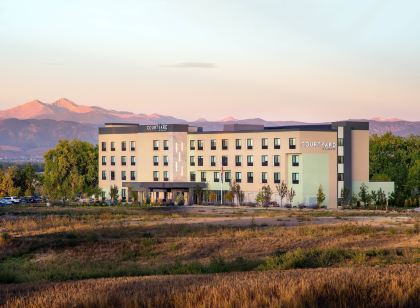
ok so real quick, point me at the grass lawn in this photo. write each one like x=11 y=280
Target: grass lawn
x=260 y=251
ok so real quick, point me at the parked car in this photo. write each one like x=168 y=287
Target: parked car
x=4 y=202
x=13 y=199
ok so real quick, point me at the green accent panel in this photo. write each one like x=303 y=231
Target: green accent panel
x=315 y=171
x=295 y=169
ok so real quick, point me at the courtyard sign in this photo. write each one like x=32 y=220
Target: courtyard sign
x=328 y=145
x=157 y=128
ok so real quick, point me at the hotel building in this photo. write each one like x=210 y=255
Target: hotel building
x=162 y=161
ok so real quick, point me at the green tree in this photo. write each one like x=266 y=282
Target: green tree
x=394 y=156
x=71 y=169
x=264 y=195
x=229 y=196
x=7 y=184
x=113 y=193
x=320 y=196
x=413 y=180
x=282 y=191
x=364 y=194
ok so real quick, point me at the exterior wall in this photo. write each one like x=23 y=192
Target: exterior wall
x=317 y=166
x=360 y=155
x=144 y=153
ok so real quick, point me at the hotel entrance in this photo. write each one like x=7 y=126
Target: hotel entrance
x=163 y=193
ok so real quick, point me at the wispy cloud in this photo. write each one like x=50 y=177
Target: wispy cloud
x=193 y=65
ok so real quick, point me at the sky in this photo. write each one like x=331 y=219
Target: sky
x=306 y=60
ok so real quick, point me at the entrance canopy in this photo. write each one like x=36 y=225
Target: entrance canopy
x=162 y=186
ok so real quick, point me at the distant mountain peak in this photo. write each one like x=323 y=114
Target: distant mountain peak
x=383 y=119
x=71 y=106
x=228 y=119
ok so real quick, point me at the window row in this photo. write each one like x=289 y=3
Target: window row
x=238 y=144
x=238 y=177
x=238 y=160
x=123 y=160
x=133 y=176
x=123 y=146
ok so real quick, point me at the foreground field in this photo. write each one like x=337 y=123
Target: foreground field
x=391 y=286
x=41 y=247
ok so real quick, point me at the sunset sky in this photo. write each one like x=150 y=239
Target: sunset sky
x=307 y=60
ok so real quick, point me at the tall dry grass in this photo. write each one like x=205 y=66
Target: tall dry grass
x=391 y=286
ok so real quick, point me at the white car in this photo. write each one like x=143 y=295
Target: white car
x=4 y=202
x=14 y=200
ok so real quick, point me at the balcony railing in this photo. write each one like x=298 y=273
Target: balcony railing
x=250 y=164
x=250 y=180
x=192 y=178
x=203 y=180
x=165 y=163
x=264 y=147
x=276 y=181
x=238 y=180
x=264 y=163
x=295 y=181
x=277 y=147
x=155 y=148
x=249 y=147
x=292 y=146
x=276 y=164
x=295 y=164
x=238 y=147
x=166 y=179
x=213 y=147
x=155 y=163
x=238 y=164
x=155 y=179
x=213 y=164
x=165 y=148
x=264 y=181
x=192 y=163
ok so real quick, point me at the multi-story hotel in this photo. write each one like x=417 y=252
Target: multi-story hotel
x=163 y=161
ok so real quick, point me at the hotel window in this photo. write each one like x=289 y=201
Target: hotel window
x=238 y=177
x=227 y=176
x=213 y=160
x=104 y=175
x=340 y=177
x=165 y=160
x=123 y=176
x=249 y=144
x=224 y=161
x=277 y=177
x=264 y=160
x=200 y=160
x=238 y=144
x=203 y=177
x=192 y=176
x=224 y=144
x=264 y=143
x=192 y=161
x=103 y=146
x=112 y=146
x=292 y=143
x=295 y=178
x=250 y=160
x=340 y=159
x=123 y=194
x=132 y=145
x=250 y=177
x=238 y=160
x=112 y=160
x=192 y=144
x=123 y=145
x=165 y=176
x=112 y=175
x=200 y=145
x=103 y=160
x=340 y=142
x=217 y=177
x=155 y=176
x=277 y=143
x=133 y=175
x=155 y=145
x=295 y=160
x=264 y=177
x=165 y=145
x=276 y=160
x=123 y=160
x=155 y=160
x=213 y=144
x=133 y=160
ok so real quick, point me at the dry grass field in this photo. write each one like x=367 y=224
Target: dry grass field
x=207 y=256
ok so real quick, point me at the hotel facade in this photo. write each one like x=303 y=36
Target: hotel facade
x=165 y=160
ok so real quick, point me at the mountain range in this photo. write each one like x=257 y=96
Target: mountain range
x=28 y=130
